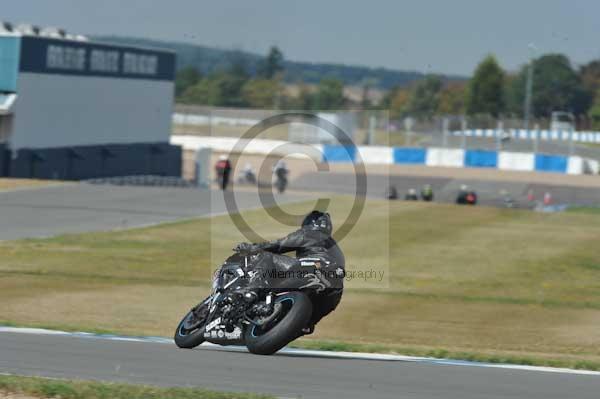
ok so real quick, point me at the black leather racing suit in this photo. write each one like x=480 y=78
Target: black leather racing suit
x=319 y=264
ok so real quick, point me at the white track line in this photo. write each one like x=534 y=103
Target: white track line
x=304 y=352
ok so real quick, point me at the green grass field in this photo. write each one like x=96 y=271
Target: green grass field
x=14 y=387
x=475 y=283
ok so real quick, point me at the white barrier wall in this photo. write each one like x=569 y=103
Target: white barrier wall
x=376 y=155
x=516 y=161
x=445 y=157
x=256 y=146
x=575 y=165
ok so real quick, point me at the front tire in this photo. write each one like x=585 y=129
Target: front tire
x=288 y=328
x=190 y=331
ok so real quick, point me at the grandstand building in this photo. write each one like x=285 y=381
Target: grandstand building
x=75 y=109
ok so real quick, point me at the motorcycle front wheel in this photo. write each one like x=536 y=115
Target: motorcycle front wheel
x=190 y=331
x=296 y=310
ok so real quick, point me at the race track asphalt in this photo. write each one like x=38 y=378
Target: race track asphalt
x=284 y=375
x=75 y=208
x=490 y=192
x=81 y=207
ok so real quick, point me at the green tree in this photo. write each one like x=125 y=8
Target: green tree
x=453 y=99
x=396 y=100
x=306 y=100
x=220 y=89
x=425 y=97
x=205 y=92
x=272 y=65
x=185 y=78
x=590 y=76
x=556 y=87
x=261 y=93
x=594 y=112
x=486 y=89
x=330 y=94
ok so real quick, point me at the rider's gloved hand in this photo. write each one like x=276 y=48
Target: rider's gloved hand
x=244 y=247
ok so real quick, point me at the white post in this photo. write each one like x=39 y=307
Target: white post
x=500 y=133
x=536 y=139
x=371 y=134
x=463 y=127
x=408 y=125
x=571 y=142
x=445 y=124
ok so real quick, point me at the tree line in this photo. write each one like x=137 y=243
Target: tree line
x=491 y=91
x=235 y=86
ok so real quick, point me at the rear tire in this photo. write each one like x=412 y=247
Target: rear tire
x=286 y=330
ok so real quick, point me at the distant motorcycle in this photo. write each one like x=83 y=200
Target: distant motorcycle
x=272 y=321
x=247 y=177
x=467 y=198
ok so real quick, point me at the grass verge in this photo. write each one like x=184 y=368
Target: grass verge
x=472 y=282
x=504 y=358
x=74 y=389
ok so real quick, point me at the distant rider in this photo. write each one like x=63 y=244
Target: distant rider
x=280 y=170
x=223 y=170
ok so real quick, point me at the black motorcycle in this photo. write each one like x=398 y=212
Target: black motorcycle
x=264 y=326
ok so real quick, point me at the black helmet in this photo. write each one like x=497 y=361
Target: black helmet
x=317 y=220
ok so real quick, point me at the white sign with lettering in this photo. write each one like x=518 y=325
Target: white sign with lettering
x=64 y=57
x=104 y=61
x=140 y=64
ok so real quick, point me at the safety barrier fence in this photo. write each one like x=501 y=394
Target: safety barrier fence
x=432 y=156
x=523 y=134
x=460 y=158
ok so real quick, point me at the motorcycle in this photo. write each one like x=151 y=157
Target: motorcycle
x=247 y=177
x=267 y=324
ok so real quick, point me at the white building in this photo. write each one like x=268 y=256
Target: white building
x=73 y=109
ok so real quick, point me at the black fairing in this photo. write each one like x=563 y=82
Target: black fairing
x=228 y=279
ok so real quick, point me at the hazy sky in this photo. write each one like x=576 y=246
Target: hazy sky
x=448 y=36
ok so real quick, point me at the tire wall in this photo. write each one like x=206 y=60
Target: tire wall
x=4 y=158
x=86 y=162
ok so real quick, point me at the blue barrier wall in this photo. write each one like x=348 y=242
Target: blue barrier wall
x=551 y=163
x=410 y=155
x=481 y=159
x=338 y=153
x=472 y=158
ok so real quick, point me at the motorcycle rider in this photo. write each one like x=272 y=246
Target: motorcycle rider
x=248 y=175
x=223 y=170
x=280 y=172
x=319 y=260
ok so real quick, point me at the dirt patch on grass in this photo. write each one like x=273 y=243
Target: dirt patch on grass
x=7 y=184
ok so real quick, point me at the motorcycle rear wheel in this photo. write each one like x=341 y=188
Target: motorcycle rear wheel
x=288 y=327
